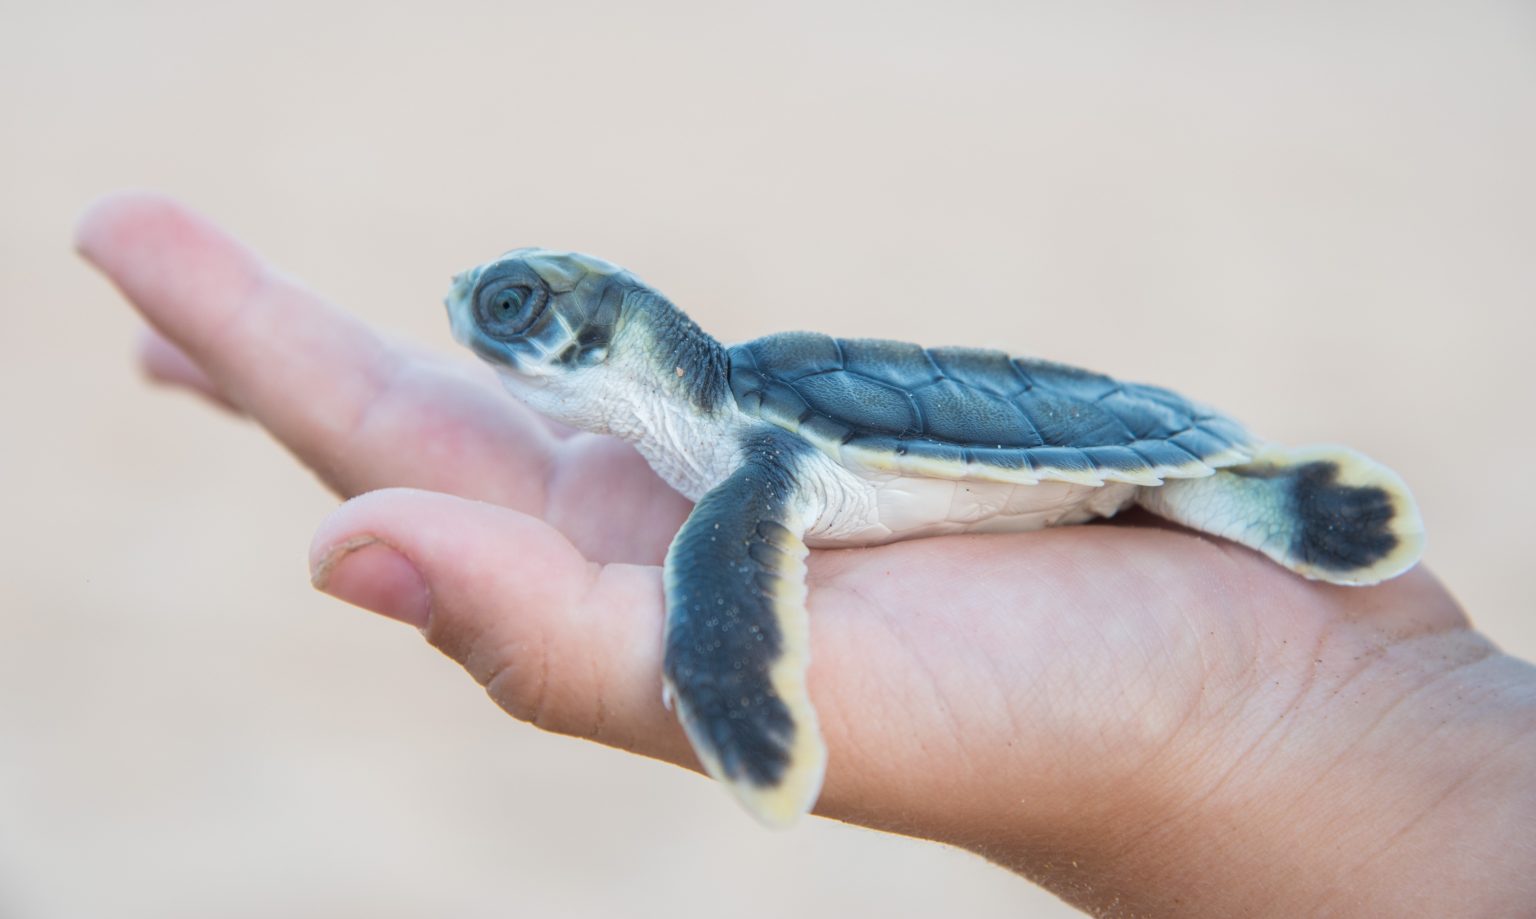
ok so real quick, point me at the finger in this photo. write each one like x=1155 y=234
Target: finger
x=321 y=380
x=557 y=641
x=564 y=644
x=165 y=363
x=247 y=327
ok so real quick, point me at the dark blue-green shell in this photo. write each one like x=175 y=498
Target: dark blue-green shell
x=963 y=411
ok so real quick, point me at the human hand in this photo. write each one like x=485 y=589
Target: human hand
x=1138 y=717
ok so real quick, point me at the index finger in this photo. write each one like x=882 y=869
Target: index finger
x=348 y=403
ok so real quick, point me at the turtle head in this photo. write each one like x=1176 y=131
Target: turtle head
x=579 y=338
x=539 y=313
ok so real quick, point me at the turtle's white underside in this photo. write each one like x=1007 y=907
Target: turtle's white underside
x=850 y=504
x=870 y=508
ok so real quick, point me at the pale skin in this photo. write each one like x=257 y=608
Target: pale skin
x=1146 y=721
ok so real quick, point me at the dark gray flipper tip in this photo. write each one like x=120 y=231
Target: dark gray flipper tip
x=1349 y=519
x=739 y=720
x=1342 y=527
x=764 y=746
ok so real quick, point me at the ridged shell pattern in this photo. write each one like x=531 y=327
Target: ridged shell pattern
x=976 y=413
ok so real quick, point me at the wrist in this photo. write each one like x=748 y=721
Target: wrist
x=1378 y=778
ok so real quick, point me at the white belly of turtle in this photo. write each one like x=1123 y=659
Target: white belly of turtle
x=862 y=508
x=853 y=506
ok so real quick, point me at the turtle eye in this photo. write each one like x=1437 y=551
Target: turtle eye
x=505 y=312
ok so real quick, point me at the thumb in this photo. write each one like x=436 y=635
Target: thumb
x=565 y=644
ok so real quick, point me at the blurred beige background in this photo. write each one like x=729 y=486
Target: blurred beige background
x=1321 y=216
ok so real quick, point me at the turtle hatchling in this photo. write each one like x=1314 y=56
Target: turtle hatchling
x=801 y=439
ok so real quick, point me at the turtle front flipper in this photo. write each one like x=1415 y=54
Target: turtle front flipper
x=1327 y=513
x=736 y=636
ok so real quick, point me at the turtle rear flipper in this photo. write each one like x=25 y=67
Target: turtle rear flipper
x=736 y=636
x=1327 y=513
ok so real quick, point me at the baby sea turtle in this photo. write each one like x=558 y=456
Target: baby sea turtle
x=800 y=439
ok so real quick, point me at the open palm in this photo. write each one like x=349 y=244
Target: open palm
x=1016 y=694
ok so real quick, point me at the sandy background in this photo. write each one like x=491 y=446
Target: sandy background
x=1322 y=218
